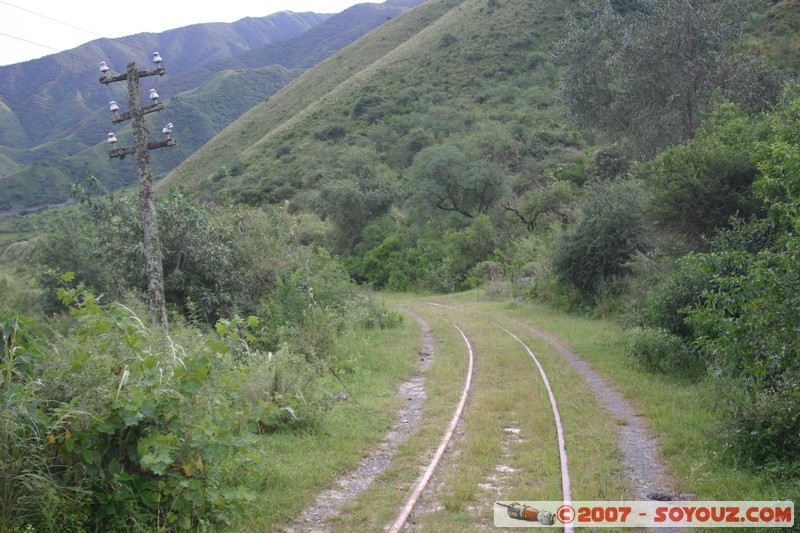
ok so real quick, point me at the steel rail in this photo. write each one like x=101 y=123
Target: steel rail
x=562 y=447
x=426 y=476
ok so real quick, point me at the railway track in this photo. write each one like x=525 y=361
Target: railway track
x=427 y=475
x=504 y=431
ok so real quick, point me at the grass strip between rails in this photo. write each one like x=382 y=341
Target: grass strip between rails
x=505 y=446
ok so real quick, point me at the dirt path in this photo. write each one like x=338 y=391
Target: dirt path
x=329 y=503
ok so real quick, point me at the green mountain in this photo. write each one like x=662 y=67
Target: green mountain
x=472 y=69
x=206 y=88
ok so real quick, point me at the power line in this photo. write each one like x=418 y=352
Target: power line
x=90 y=32
x=47 y=46
x=50 y=18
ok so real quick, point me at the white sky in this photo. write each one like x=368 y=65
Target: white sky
x=81 y=21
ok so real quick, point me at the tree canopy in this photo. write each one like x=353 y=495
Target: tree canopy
x=647 y=72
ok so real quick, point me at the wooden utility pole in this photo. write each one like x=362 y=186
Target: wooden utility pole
x=152 y=241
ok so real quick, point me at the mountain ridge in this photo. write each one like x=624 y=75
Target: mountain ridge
x=23 y=165
x=54 y=76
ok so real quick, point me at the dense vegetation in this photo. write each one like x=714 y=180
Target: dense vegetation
x=559 y=156
x=110 y=424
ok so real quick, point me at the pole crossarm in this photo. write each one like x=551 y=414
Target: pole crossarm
x=160 y=71
x=122 y=117
x=128 y=150
x=121 y=152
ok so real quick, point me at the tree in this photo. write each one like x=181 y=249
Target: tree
x=646 y=76
x=543 y=205
x=700 y=184
x=358 y=191
x=443 y=176
x=596 y=251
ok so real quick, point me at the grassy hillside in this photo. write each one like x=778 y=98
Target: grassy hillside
x=483 y=60
x=775 y=35
x=306 y=92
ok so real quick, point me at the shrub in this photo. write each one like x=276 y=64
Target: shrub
x=668 y=306
x=700 y=184
x=330 y=132
x=485 y=272
x=747 y=323
x=103 y=248
x=760 y=424
x=596 y=251
x=377 y=316
x=117 y=427
x=151 y=422
x=658 y=350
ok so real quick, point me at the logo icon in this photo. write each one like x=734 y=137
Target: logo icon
x=527 y=513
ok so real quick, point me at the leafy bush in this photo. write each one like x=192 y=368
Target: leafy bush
x=103 y=248
x=243 y=260
x=747 y=324
x=658 y=350
x=117 y=427
x=157 y=431
x=392 y=264
x=595 y=252
x=700 y=184
x=668 y=305
x=485 y=272
x=375 y=315
x=330 y=132
x=760 y=423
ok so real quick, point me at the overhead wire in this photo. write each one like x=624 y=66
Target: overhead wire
x=68 y=24
x=50 y=18
x=183 y=155
x=58 y=50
